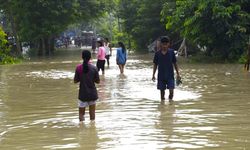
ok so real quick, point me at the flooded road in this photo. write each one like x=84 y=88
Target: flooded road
x=38 y=107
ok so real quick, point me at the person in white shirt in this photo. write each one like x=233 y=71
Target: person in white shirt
x=108 y=49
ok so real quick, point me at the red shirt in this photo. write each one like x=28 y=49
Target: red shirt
x=87 y=88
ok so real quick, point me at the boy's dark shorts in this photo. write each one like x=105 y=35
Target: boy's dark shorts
x=165 y=84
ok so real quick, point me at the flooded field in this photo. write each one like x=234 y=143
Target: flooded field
x=38 y=107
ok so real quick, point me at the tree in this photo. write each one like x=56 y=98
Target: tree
x=39 y=21
x=45 y=19
x=220 y=26
x=5 y=55
x=7 y=7
x=142 y=20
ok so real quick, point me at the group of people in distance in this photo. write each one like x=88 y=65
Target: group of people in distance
x=105 y=52
x=88 y=74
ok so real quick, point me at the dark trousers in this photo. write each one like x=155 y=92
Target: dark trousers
x=100 y=64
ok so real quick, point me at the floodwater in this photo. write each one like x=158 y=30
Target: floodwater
x=38 y=107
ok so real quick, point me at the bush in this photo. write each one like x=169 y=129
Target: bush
x=5 y=55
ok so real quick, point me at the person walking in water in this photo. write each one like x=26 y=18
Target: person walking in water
x=164 y=60
x=87 y=75
x=121 y=56
x=248 y=59
x=101 y=57
x=93 y=44
x=108 y=49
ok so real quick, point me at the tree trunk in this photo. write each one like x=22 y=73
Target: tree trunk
x=46 y=46
x=40 y=47
x=129 y=43
x=119 y=24
x=18 y=49
x=209 y=51
x=110 y=27
x=52 y=45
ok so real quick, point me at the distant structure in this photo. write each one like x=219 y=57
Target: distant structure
x=152 y=46
x=182 y=50
x=87 y=37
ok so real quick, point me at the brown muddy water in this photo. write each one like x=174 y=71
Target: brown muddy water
x=38 y=107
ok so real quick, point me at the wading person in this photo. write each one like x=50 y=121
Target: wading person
x=165 y=61
x=248 y=59
x=121 y=56
x=87 y=75
x=93 y=45
x=108 y=49
x=101 y=57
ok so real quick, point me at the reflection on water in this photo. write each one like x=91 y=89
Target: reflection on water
x=39 y=108
x=52 y=74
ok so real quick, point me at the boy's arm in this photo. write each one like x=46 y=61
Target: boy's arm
x=154 y=70
x=177 y=70
x=155 y=61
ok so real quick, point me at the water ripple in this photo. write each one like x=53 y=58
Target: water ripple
x=51 y=74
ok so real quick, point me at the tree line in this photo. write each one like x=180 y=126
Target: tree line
x=40 y=21
x=220 y=28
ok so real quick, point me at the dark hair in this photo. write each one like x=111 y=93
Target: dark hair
x=106 y=39
x=100 y=42
x=122 y=46
x=165 y=39
x=86 y=55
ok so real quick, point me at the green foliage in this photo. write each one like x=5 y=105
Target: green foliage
x=142 y=20
x=44 y=18
x=3 y=40
x=39 y=21
x=103 y=25
x=89 y=10
x=220 y=26
x=243 y=59
x=5 y=56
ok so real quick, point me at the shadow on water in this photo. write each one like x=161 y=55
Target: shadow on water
x=38 y=103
